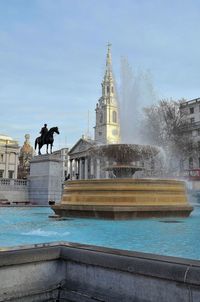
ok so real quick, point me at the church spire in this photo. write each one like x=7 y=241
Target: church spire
x=107 y=128
x=109 y=59
x=108 y=77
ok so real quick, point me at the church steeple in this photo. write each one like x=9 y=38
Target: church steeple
x=109 y=59
x=107 y=124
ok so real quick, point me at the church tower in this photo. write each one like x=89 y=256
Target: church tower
x=107 y=129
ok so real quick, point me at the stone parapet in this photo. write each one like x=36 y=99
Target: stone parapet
x=83 y=273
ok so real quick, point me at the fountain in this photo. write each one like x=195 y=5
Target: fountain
x=121 y=196
x=124 y=197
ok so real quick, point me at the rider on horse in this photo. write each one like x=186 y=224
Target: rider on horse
x=46 y=137
x=43 y=132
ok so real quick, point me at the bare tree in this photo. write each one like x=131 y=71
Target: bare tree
x=165 y=126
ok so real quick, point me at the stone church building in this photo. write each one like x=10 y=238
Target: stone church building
x=83 y=163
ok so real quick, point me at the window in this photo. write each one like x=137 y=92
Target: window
x=12 y=157
x=190 y=163
x=194 y=133
x=198 y=131
x=190 y=146
x=1 y=173
x=101 y=117
x=114 y=117
x=108 y=89
x=181 y=165
x=10 y=174
x=112 y=90
x=192 y=120
x=191 y=110
x=1 y=157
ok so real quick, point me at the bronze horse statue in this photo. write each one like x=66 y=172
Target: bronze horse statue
x=47 y=140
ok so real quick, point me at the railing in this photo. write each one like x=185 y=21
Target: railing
x=17 y=183
x=191 y=174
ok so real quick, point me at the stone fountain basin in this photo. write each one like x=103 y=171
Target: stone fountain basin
x=123 y=198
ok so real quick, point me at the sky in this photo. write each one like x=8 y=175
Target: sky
x=52 y=58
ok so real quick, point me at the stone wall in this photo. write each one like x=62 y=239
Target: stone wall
x=81 y=273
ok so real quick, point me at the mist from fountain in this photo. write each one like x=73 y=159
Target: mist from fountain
x=136 y=91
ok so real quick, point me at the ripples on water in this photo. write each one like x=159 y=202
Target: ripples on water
x=174 y=237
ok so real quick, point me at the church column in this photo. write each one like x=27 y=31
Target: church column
x=80 y=168
x=86 y=168
x=75 y=168
x=107 y=173
x=91 y=167
x=98 y=169
x=71 y=168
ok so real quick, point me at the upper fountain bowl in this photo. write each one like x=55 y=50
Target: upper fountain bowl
x=125 y=159
x=125 y=153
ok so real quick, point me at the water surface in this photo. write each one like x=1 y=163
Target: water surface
x=166 y=236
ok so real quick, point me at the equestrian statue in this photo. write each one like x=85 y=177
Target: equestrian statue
x=46 y=138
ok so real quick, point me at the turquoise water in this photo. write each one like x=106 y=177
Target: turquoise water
x=166 y=236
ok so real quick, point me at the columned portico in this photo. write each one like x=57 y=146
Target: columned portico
x=81 y=162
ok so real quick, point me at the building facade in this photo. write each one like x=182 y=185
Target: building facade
x=9 y=152
x=191 y=110
x=62 y=154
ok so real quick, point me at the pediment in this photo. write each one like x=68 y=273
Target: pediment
x=81 y=146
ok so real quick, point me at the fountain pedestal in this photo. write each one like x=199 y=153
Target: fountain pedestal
x=124 y=198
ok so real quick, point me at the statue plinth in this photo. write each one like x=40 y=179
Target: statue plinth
x=45 y=179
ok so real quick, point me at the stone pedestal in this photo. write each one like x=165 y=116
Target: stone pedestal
x=45 y=179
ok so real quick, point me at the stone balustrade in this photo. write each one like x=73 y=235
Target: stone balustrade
x=13 y=190
x=13 y=183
